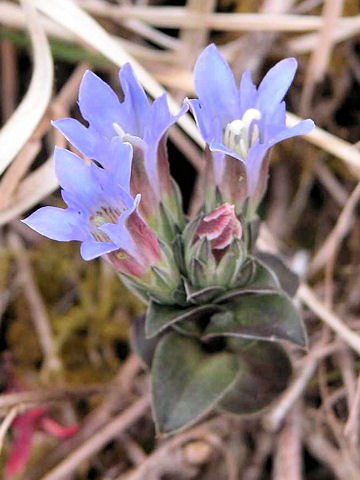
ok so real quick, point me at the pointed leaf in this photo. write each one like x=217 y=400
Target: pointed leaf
x=187 y=381
x=289 y=281
x=188 y=328
x=158 y=317
x=265 y=372
x=142 y=346
x=264 y=316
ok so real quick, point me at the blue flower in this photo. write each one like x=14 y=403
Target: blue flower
x=99 y=207
x=244 y=122
x=134 y=120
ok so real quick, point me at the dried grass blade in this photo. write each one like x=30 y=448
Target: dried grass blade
x=36 y=186
x=22 y=123
x=331 y=144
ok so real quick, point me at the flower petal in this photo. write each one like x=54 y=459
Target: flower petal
x=56 y=223
x=301 y=128
x=202 y=119
x=215 y=85
x=275 y=84
x=135 y=109
x=247 y=92
x=91 y=249
x=75 y=176
x=99 y=104
x=119 y=235
x=120 y=161
x=77 y=135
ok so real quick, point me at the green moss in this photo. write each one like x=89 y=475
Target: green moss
x=89 y=310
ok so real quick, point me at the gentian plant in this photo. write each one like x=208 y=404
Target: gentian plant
x=218 y=310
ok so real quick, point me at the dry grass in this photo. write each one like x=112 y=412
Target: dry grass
x=64 y=322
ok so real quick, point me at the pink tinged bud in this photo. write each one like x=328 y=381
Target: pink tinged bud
x=220 y=226
x=125 y=263
x=144 y=238
x=146 y=249
x=140 y=182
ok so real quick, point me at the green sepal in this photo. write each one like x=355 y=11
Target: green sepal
x=188 y=328
x=288 y=280
x=159 y=317
x=253 y=229
x=135 y=287
x=264 y=373
x=180 y=219
x=166 y=223
x=263 y=281
x=178 y=252
x=270 y=316
x=227 y=271
x=244 y=275
x=142 y=346
x=187 y=381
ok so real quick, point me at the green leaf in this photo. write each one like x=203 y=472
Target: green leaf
x=269 y=316
x=265 y=372
x=142 y=346
x=202 y=295
x=263 y=281
x=187 y=381
x=289 y=281
x=188 y=328
x=158 y=316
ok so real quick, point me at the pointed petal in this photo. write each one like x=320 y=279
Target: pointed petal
x=219 y=147
x=99 y=104
x=77 y=135
x=279 y=117
x=119 y=235
x=57 y=223
x=91 y=249
x=275 y=84
x=302 y=128
x=161 y=118
x=247 y=92
x=75 y=176
x=135 y=109
x=202 y=119
x=120 y=161
x=215 y=85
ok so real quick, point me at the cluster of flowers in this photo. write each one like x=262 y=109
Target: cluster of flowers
x=123 y=205
x=202 y=278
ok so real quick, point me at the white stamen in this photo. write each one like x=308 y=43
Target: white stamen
x=118 y=130
x=251 y=115
x=241 y=134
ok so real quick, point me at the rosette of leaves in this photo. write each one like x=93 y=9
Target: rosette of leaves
x=221 y=347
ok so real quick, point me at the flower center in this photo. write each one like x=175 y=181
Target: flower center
x=241 y=134
x=100 y=217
